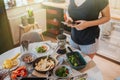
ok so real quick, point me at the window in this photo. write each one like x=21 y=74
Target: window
x=114 y=4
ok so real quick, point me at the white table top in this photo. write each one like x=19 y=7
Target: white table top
x=93 y=73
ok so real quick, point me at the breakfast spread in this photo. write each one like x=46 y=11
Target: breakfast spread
x=42 y=64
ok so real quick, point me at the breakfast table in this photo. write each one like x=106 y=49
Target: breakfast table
x=93 y=72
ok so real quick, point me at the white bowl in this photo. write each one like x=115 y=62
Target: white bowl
x=57 y=67
x=28 y=54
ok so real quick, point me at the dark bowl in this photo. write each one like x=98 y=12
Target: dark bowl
x=81 y=63
x=43 y=57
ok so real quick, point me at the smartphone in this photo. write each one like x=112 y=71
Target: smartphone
x=64 y=23
x=73 y=23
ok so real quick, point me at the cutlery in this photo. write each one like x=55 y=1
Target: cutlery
x=79 y=76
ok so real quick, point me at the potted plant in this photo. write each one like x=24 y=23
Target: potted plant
x=30 y=16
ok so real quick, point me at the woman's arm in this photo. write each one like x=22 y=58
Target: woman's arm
x=105 y=16
x=68 y=19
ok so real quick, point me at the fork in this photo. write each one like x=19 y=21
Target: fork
x=80 y=76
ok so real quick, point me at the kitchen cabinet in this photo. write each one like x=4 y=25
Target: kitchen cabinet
x=54 y=12
x=54 y=18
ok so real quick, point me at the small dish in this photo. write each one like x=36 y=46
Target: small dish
x=19 y=73
x=28 y=57
x=62 y=72
x=16 y=64
x=42 y=48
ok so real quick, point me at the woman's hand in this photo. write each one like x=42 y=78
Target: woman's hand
x=81 y=25
x=69 y=21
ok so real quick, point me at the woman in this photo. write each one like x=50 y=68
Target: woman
x=85 y=31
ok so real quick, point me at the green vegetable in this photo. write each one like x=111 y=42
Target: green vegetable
x=41 y=49
x=62 y=72
x=75 y=64
x=73 y=59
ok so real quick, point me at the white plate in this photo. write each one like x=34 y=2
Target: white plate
x=39 y=45
x=16 y=65
x=13 y=68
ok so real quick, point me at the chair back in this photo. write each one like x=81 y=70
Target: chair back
x=31 y=37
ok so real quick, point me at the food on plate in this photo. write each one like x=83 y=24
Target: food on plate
x=10 y=63
x=42 y=49
x=62 y=71
x=28 y=58
x=19 y=72
x=44 y=64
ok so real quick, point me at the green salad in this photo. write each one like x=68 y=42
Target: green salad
x=73 y=59
x=62 y=72
x=41 y=49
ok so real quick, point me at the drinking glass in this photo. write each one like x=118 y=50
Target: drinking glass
x=24 y=46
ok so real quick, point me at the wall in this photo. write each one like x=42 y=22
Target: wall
x=14 y=17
